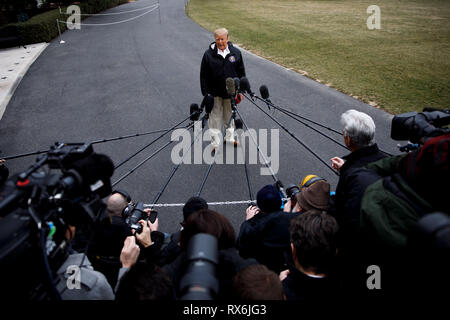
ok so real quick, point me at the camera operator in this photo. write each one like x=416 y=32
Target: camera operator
x=92 y=284
x=314 y=194
x=395 y=193
x=264 y=235
x=229 y=260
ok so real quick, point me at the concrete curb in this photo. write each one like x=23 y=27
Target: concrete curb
x=15 y=64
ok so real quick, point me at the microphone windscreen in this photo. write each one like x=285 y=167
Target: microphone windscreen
x=208 y=103
x=236 y=83
x=231 y=89
x=193 y=111
x=264 y=92
x=245 y=85
x=93 y=168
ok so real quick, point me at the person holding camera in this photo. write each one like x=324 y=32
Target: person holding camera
x=229 y=261
x=142 y=248
x=264 y=235
x=314 y=193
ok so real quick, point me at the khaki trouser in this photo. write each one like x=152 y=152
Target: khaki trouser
x=218 y=120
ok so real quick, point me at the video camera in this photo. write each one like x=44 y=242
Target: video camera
x=38 y=207
x=415 y=126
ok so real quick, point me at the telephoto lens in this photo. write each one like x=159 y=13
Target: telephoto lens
x=199 y=281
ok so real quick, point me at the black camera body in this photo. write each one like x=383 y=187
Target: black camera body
x=134 y=212
x=292 y=190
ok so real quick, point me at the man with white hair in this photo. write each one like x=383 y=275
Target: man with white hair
x=359 y=133
x=220 y=61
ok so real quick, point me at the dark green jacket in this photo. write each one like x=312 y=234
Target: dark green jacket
x=390 y=207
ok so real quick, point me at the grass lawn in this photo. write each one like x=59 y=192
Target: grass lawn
x=403 y=66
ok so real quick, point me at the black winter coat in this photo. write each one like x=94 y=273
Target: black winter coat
x=215 y=69
x=266 y=238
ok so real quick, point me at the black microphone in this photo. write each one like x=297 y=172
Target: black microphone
x=231 y=89
x=264 y=91
x=238 y=124
x=207 y=103
x=194 y=112
x=237 y=84
x=245 y=86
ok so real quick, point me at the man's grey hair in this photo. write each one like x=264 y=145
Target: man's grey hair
x=359 y=126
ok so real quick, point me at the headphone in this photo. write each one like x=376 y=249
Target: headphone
x=309 y=180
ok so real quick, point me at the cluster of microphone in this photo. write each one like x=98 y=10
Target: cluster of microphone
x=234 y=87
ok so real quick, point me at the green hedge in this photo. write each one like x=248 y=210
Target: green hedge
x=43 y=27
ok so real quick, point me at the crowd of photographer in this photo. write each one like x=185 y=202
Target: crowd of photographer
x=388 y=212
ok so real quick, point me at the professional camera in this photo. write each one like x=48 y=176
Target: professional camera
x=135 y=212
x=415 y=126
x=37 y=209
x=199 y=281
x=292 y=192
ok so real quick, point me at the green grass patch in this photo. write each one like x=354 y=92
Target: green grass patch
x=404 y=66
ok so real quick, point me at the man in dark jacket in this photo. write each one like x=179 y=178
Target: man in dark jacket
x=359 y=133
x=220 y=61
x=264 y=235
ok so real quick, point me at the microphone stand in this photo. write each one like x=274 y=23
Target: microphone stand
x=205 y=177
x=296 y=139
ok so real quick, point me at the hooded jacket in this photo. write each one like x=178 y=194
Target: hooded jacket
x=215 y=69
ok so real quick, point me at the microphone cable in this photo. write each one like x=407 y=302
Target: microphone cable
x=93 y=142
x=205 y=177
x=266 y=162
x=294 y=116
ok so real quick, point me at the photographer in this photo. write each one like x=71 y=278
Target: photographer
x=146 y=280
x=229 y=261
x=264 y=235
x=92 y=284
x=173 y=249
x=313 y=194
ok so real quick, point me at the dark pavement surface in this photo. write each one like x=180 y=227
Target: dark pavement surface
x=108 y=81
